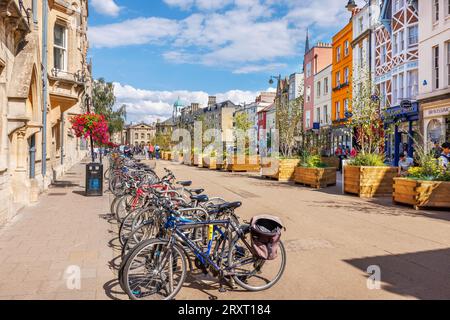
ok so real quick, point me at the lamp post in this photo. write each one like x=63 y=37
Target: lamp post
x=88 y=108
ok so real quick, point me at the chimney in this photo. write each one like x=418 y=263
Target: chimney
x=212 y=100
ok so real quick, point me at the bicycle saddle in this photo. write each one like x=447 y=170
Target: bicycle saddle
x=227 y=206
x=200 y=198
x=185 y=183
x=196 y=191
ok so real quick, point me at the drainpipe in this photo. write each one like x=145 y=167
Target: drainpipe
x=44 y=83
x=62 y=138
x=35 y=12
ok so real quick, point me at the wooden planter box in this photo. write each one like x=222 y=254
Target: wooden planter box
x=315 y=177
x=421 y=193
x=250 y=164
x=368 y=182
x=166 y=155
x=285 y=172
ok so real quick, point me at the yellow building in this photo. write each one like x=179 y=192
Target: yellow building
x=341 y=95
x=23 y=98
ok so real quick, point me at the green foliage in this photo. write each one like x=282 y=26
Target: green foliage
x=163 y=141
x=312 y=161
x=368 y=160
x=289 y=115
x=103 y=99
x=428 y=167
x=367 y=118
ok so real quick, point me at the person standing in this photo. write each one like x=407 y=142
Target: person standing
x=339 y=153
x=437 y=150
x=444 y=159
x=151 y=150
x=146 y=152
x=353 y=153
x=157 y=152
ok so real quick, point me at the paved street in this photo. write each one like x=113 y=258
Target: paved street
x=331 y=240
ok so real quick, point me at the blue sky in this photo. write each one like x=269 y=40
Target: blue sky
x=158 y=50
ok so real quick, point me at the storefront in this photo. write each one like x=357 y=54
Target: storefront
x=402 y=126
x=436 y=124
x=342 y=137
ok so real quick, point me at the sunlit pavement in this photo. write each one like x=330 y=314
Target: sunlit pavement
x=331 y=240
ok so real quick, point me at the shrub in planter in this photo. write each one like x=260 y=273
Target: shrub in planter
x=425 y=186
x=368 y=176
x=313 y=172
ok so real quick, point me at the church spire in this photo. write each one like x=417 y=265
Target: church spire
x=307 y=41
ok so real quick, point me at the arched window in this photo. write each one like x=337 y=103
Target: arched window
x=434 y=130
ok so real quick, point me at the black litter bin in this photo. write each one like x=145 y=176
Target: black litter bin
x=94 y=179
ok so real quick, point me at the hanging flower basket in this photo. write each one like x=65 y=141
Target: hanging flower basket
x=91 y=125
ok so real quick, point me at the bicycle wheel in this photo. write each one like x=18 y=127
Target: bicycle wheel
x=106 y=174
x=251 y=272
x=128 y=224
x=155 y=270
x=146 y=231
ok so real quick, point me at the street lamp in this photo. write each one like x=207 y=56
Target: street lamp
x=351 y=5
x=274 y=77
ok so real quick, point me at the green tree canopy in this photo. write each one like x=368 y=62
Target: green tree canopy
x=104 y=101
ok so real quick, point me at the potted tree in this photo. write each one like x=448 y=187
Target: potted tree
x=427 y=185
x=367 y=175
x=282 y=163
x=244 y=160
x=312 y=172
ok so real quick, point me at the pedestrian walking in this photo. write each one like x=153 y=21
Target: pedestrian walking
x=151 y=150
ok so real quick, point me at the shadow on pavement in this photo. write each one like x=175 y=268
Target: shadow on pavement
x=423 y=275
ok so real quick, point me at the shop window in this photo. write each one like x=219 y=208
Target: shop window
x=434 y=130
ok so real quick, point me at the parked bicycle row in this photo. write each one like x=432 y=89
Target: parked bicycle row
x=168 y=228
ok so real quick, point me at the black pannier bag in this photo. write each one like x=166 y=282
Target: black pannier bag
x=266 y=233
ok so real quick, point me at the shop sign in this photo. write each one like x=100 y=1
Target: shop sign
x=436 y=112
x=404 y=110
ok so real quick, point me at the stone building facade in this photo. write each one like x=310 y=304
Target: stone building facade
x=140 y=134
x=22 y=95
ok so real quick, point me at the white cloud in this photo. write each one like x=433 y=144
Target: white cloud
x=106 y=7
x=259 y=68
x=133 y=32
x=241 y=35
x=149 y=105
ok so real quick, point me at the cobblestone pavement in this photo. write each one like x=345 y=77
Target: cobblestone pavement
x=331 y=241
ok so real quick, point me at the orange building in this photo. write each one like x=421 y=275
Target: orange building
x=341 y=95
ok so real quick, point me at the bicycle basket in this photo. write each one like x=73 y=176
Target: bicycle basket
x=266 y=233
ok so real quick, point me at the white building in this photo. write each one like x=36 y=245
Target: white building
x=295 y=86
x=365 y=21
x=322 y=99
x=434 y=69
